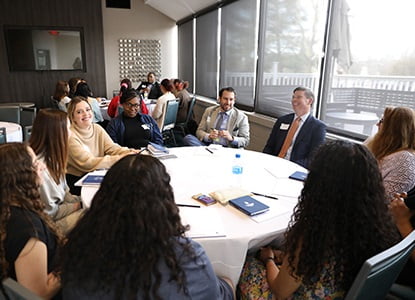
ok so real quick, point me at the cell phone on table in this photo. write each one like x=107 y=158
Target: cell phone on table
x=205 y=199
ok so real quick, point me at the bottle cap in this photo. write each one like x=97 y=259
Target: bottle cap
x=237 y=155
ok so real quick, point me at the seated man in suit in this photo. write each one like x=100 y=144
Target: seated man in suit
x=223 y=124
x=297 y=135
x=151 y=87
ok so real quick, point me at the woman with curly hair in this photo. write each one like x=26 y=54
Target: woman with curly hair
x=130 y=244
x=29 y=238
x=49 y=141
x=394 y=148
x=341 y=220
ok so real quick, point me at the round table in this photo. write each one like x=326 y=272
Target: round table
x=224 y=232
x=13 y=131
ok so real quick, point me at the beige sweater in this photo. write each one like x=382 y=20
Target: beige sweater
x=91 y=149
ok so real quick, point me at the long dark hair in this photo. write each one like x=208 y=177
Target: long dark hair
x=19 y=185
x=341 y=215
x=133 y=223
x=49 y=139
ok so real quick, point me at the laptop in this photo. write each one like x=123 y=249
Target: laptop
x=249 y=205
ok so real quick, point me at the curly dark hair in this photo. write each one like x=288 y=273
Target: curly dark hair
x=132 y=224
x=341 y=216
x=19 y=186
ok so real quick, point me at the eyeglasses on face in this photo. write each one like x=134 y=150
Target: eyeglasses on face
x=131 y=105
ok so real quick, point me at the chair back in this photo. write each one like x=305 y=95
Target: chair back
x=190 y=110
x=27 y=116
x=379 y=272
x=10 y=114
x=172 y=106
x=16 y=291
x=3 y=136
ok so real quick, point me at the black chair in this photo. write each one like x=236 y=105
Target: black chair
x=3 y=135
x=172 y=106
x=27 y=131
x=10 y=114
x=379 y=272
x=184 y=127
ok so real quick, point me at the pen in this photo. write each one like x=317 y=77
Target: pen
x=207 y=149
x=266 y=196
x=188 y=205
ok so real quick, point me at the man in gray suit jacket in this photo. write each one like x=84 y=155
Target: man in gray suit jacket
x=223 y=124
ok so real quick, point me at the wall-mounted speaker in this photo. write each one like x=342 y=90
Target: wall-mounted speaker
x=118 y=4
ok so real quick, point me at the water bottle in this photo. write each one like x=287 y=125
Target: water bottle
x=237 y=170
x=237 y=167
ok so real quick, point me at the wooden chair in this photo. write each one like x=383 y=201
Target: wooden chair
x=379 y=272
x=184 y=126
x=172 y=106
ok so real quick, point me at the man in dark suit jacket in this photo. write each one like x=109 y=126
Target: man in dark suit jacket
x=309 y=135
x=151 y=87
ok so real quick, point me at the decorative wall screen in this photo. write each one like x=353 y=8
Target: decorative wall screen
x=138 y=57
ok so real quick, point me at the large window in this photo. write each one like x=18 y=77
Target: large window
x=290 y=51
x=185 y=67
x=371 y=63
x=207 y=54
x=239 y=50
x=357 y=56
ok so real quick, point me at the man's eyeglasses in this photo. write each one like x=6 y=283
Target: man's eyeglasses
x=130 y=105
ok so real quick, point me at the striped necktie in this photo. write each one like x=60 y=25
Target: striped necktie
x=289 y=137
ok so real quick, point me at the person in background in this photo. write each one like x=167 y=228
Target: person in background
x=60 y=97
x=73 y=82
x=83 y=90
x=223 y=124
x=394 y=148
x=132 y=128
x=90 y=147
x=136 y=261
x=150 y=89
x=184 y=99
x=49 y=141
x=297 y=135
x=159 y=111
x=323 y=249
x=114 y=106
x=29 y=239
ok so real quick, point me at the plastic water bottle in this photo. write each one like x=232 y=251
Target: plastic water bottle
x=237 y=170
x=237 y=167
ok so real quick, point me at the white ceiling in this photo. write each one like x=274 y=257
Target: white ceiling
x=179 y=9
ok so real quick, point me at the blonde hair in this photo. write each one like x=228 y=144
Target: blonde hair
x=396 y=133
x=72 y=106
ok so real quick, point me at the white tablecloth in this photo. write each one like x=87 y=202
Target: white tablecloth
x=13 y=131
x=196 y=170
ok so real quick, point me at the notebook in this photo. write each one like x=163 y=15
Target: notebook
x=301 y=176
x=93 y=180
x=249 y=205
x=157 y=150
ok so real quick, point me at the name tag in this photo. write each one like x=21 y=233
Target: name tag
x=284 y=126
x=145 y=127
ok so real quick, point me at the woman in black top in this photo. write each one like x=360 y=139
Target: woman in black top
x=29 y=238
x=131 y=128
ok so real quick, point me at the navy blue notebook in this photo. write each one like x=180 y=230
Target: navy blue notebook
x=249 y=205
x=301 y=176
x=93 y=180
